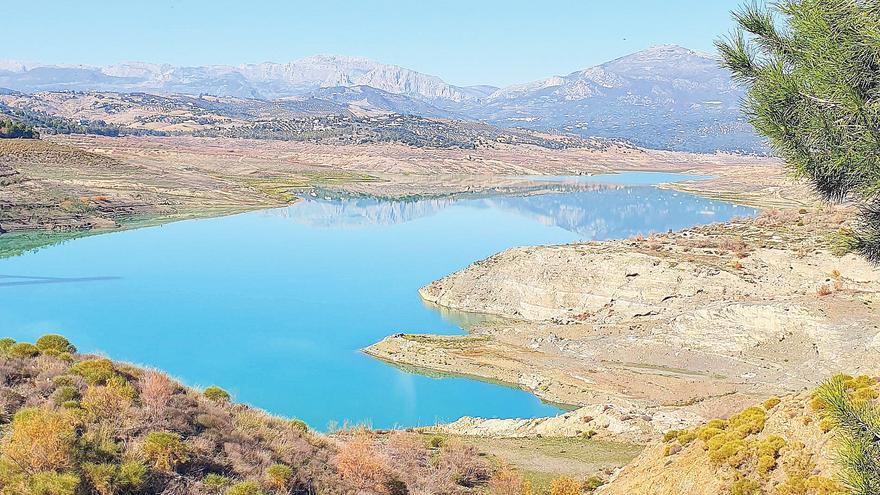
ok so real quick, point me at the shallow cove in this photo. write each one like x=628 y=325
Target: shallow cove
x=274 y=305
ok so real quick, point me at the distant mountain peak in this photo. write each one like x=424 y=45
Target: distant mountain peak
x=665 y=96
x=663 y=53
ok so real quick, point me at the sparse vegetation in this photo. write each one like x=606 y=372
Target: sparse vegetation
x=87 y=425
x=30 y=120
x=761 y=462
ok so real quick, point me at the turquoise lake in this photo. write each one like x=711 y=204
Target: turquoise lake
x=274 y=305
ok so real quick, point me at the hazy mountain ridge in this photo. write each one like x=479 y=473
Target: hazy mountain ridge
x=665 y=97
x=265 y=80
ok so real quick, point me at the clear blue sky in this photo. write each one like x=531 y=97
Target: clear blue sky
x=464 y=42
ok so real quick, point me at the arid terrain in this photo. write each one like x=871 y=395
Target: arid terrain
x=642 y=336
x=658 y=334
x=697 y=320
x=65 y=186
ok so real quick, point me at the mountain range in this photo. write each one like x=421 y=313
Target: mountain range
x=665 y=97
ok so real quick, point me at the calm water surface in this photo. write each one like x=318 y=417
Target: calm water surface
x=274 y=305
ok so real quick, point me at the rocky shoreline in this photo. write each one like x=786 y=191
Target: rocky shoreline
x=684 y=326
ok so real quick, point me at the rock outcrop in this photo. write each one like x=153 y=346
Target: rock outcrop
x=700 y=320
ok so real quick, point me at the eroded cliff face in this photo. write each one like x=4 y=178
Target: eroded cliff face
x=699 y=321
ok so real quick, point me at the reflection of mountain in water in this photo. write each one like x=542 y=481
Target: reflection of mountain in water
x=619 y=212
x=596 y=213
x=362 y=212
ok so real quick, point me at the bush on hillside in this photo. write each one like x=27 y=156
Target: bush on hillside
x=165 y=450
x=53 y=342
x=94 y=371
x=88 y=425
x=23 y=350
x=217 y=394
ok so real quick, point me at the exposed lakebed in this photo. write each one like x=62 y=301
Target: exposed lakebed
x=274 y=305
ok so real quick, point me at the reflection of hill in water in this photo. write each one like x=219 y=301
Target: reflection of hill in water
x=592 y=212
x=619 y=212
x=362 y=212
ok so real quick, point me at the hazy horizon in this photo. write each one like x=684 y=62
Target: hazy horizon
x=492 y=43
x=30 y=64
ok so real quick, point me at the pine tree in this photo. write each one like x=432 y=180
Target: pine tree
x=857 y=424
x=813 y=72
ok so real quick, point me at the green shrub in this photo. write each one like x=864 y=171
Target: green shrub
x=767 y=451
x=23 y=350
x=436 y=441
x=299 y=425
x=5 y=344
x=671 y=435
x=726 y=448
x=131 y=475
x=100 y=476
x=745 y=486
x=56 y=343
x=217 y=394
x=748 y=422
x=108 y=479
x=165 y=450
x=39 y=439
x=94 y=371
x=97 y=446
x=216 y=481
x=278 y=476
x=771 y=403
x=592 y=483
x=63 y=381
x=65 y=393
x=53 y=483
x=51 y=352
x=686 y=437
x=244 y=488
x=705 y=433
